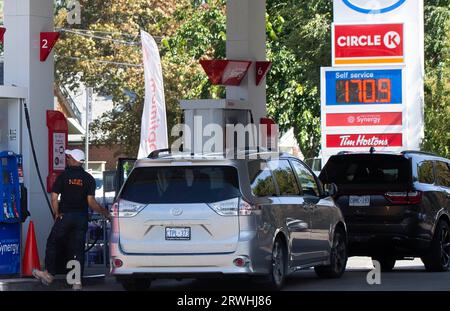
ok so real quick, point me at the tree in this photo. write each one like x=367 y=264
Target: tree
x=299 y=43
x=104 y=52
x=437 y=75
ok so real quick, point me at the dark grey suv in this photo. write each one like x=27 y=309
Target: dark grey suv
x=395 y=205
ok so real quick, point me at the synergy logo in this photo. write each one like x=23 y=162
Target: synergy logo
x=12 y=248
x=373 y=6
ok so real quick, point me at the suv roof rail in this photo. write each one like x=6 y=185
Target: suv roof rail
x=420 y=152
x=155 y=153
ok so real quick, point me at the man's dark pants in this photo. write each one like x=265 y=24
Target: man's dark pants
x=68 y=236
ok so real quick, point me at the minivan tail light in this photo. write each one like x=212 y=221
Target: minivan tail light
x=245 y=208
x=126 y=209
x=232 y=207
x=406 y=198
x=226 y=208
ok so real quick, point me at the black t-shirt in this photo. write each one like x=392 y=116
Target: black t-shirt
x=74 y=185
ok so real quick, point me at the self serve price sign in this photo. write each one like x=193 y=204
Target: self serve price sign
x=363 y=87
x=368 y=44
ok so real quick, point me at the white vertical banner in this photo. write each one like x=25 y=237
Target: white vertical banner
x=154 y=123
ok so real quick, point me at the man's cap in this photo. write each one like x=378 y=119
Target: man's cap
x=76 y=154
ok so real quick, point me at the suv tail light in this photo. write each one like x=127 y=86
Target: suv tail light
x=232 y=207
x=124 y=208
x=406 y=198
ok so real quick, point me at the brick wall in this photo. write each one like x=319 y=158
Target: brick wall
x=103 y=153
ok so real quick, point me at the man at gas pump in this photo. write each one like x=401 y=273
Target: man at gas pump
x=77 y=190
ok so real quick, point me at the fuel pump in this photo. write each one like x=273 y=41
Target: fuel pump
x=13 y=212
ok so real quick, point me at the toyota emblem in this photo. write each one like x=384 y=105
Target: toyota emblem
x=176 y=211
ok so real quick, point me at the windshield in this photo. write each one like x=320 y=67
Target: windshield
x=194 y=184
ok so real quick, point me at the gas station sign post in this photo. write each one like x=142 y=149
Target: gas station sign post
x=373 y=94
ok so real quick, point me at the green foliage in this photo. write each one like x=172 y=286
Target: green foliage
x=299 y=44
x=437 y=77
x=119 y=23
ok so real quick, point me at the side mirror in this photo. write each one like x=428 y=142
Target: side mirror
x=330 y=189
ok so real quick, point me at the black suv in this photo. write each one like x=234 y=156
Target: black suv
x=395 y=205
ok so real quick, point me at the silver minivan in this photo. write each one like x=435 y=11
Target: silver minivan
x=265 y=216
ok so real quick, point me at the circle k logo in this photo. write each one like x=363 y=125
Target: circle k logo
x=392 y=40
x=373 y=6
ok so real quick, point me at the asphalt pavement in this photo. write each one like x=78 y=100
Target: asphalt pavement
x=408 y=275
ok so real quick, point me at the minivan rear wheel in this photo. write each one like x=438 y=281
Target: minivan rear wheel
x=278 y=267
x=135 y=284
x=338 y=258
x=438 y=259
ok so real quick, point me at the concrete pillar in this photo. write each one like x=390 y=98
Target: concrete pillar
x=246 y=40
x=24 y=21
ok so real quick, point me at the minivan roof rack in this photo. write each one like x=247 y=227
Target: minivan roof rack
x=420 y=152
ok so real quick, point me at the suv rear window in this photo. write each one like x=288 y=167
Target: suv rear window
x=193 y=184
x=366 y=169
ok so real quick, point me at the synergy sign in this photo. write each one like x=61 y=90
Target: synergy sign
x=367 y=44
x=362 y=108
x=364 y=119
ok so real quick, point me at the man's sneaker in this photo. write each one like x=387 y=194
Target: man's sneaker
x=77 y=286
x=43 y=276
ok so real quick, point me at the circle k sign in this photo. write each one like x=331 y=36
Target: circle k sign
x=368 y=44
x=373 y=6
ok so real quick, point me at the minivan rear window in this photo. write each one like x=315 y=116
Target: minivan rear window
x=366 y=169
x=193 y=184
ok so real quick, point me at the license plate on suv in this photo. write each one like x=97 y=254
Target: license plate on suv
x=178 y=233
x=359 y=200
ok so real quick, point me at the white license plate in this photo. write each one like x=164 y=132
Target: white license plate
x=174 y=233
x=359 y=200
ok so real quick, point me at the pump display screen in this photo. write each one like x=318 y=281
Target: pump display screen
x=364 y=87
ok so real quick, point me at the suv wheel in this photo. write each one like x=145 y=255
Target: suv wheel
x=387 y=262
x=438 y=259
x=133 y=284
x=338 y=258
x=278 y=267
